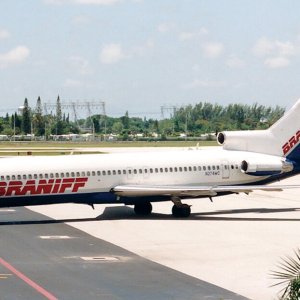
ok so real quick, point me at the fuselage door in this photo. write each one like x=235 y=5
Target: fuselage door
x=225 y=169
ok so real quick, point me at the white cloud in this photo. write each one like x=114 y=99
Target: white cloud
x=265 y=47
x=15 y=56
x=4 y=34
x=72 y=83
x=212 y=49
x=235 y=62
x=204 y=84
x=276 y=54
x=80 y=64
x=83 y=2
x=189 y=35
x=142 y=49
x=165 y=27
x=111 y=53
x=277 y=62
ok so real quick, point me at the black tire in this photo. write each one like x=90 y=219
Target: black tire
x=143 y=209
x=183 y=211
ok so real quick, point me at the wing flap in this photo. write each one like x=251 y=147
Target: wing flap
x=192 y=191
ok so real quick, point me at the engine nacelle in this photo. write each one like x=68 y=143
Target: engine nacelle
x=267 y=168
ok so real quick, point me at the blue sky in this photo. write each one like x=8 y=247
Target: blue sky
x=138 y=55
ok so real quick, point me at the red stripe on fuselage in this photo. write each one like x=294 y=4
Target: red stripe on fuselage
x=42 y=186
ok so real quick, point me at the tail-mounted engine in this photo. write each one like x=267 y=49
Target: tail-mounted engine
x=268 y=168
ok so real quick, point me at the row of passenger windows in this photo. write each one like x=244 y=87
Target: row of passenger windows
x=116 y=172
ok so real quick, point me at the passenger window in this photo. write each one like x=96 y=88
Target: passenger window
x=232 y=167
x=156 y=170
x=208 y=168
x=104 y=173
x=180 y=169
x=140 y=171
x=195 y=168
x=51 y=175
x=2 y=177
x=146 y=171
x=24 y=177
x=73 y=174
x=77 y=174
x=46 y=176
x=175 y=169
x=218 y=167
x=56 y=175
x=41 y=176
x=35 y=176
x=129 y=171
x=151 y=170
x=161 y=170
x=19 y=177
x=199 y=168
x=29 y=176
x=7 y=177
x=171 y=169
x=13 y=177
x=124 y=172
x=67 y=174
x=213 y=167
x=62 y=175
x=114 y=172
x=204 y=168
x=119 y=172
x=88 y=173
x=166 y=169
x=83 y=173
x=109 y=172
x=134 y=171
x=98 y=173
x=185 y=169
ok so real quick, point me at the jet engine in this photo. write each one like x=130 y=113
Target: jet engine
x=267 y=168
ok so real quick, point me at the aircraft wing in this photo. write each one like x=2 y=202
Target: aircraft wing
x=192 y=191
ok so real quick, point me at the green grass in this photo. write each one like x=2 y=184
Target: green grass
x=65 y=148
x=51 y=144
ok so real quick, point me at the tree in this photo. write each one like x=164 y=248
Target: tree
x=26 y=118
x=59 y=128
x=289 y=276
x=38 y=120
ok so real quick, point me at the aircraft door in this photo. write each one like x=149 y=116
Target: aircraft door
x=225 y=169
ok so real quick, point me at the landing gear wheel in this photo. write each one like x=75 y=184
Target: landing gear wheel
x=143 y=209
x=182 y=211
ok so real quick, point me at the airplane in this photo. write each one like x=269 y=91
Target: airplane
x=246 y=161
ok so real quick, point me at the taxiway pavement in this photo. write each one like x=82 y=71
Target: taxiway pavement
x=42 y=258
x=234 y=242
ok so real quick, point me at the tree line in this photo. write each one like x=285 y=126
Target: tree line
x=193 y=120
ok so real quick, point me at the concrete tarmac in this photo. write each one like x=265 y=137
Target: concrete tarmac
x=233 y=243
x=42 y=258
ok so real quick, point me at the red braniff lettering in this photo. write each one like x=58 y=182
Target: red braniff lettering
x=42 y=186
x=293 y=141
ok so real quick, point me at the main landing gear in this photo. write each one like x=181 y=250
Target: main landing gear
x=180 y=210
x=143 y=208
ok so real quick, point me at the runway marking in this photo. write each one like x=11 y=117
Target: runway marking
x=99 y=258
x=27 y=280
x=5 y=276
x=55 y=237
x=7 y=210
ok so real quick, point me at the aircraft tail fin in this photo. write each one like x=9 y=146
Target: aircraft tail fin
x=281 y=139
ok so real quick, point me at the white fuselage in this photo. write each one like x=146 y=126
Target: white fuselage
x=102 y=172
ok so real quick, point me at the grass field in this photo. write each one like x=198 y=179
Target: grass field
x=58 y=148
